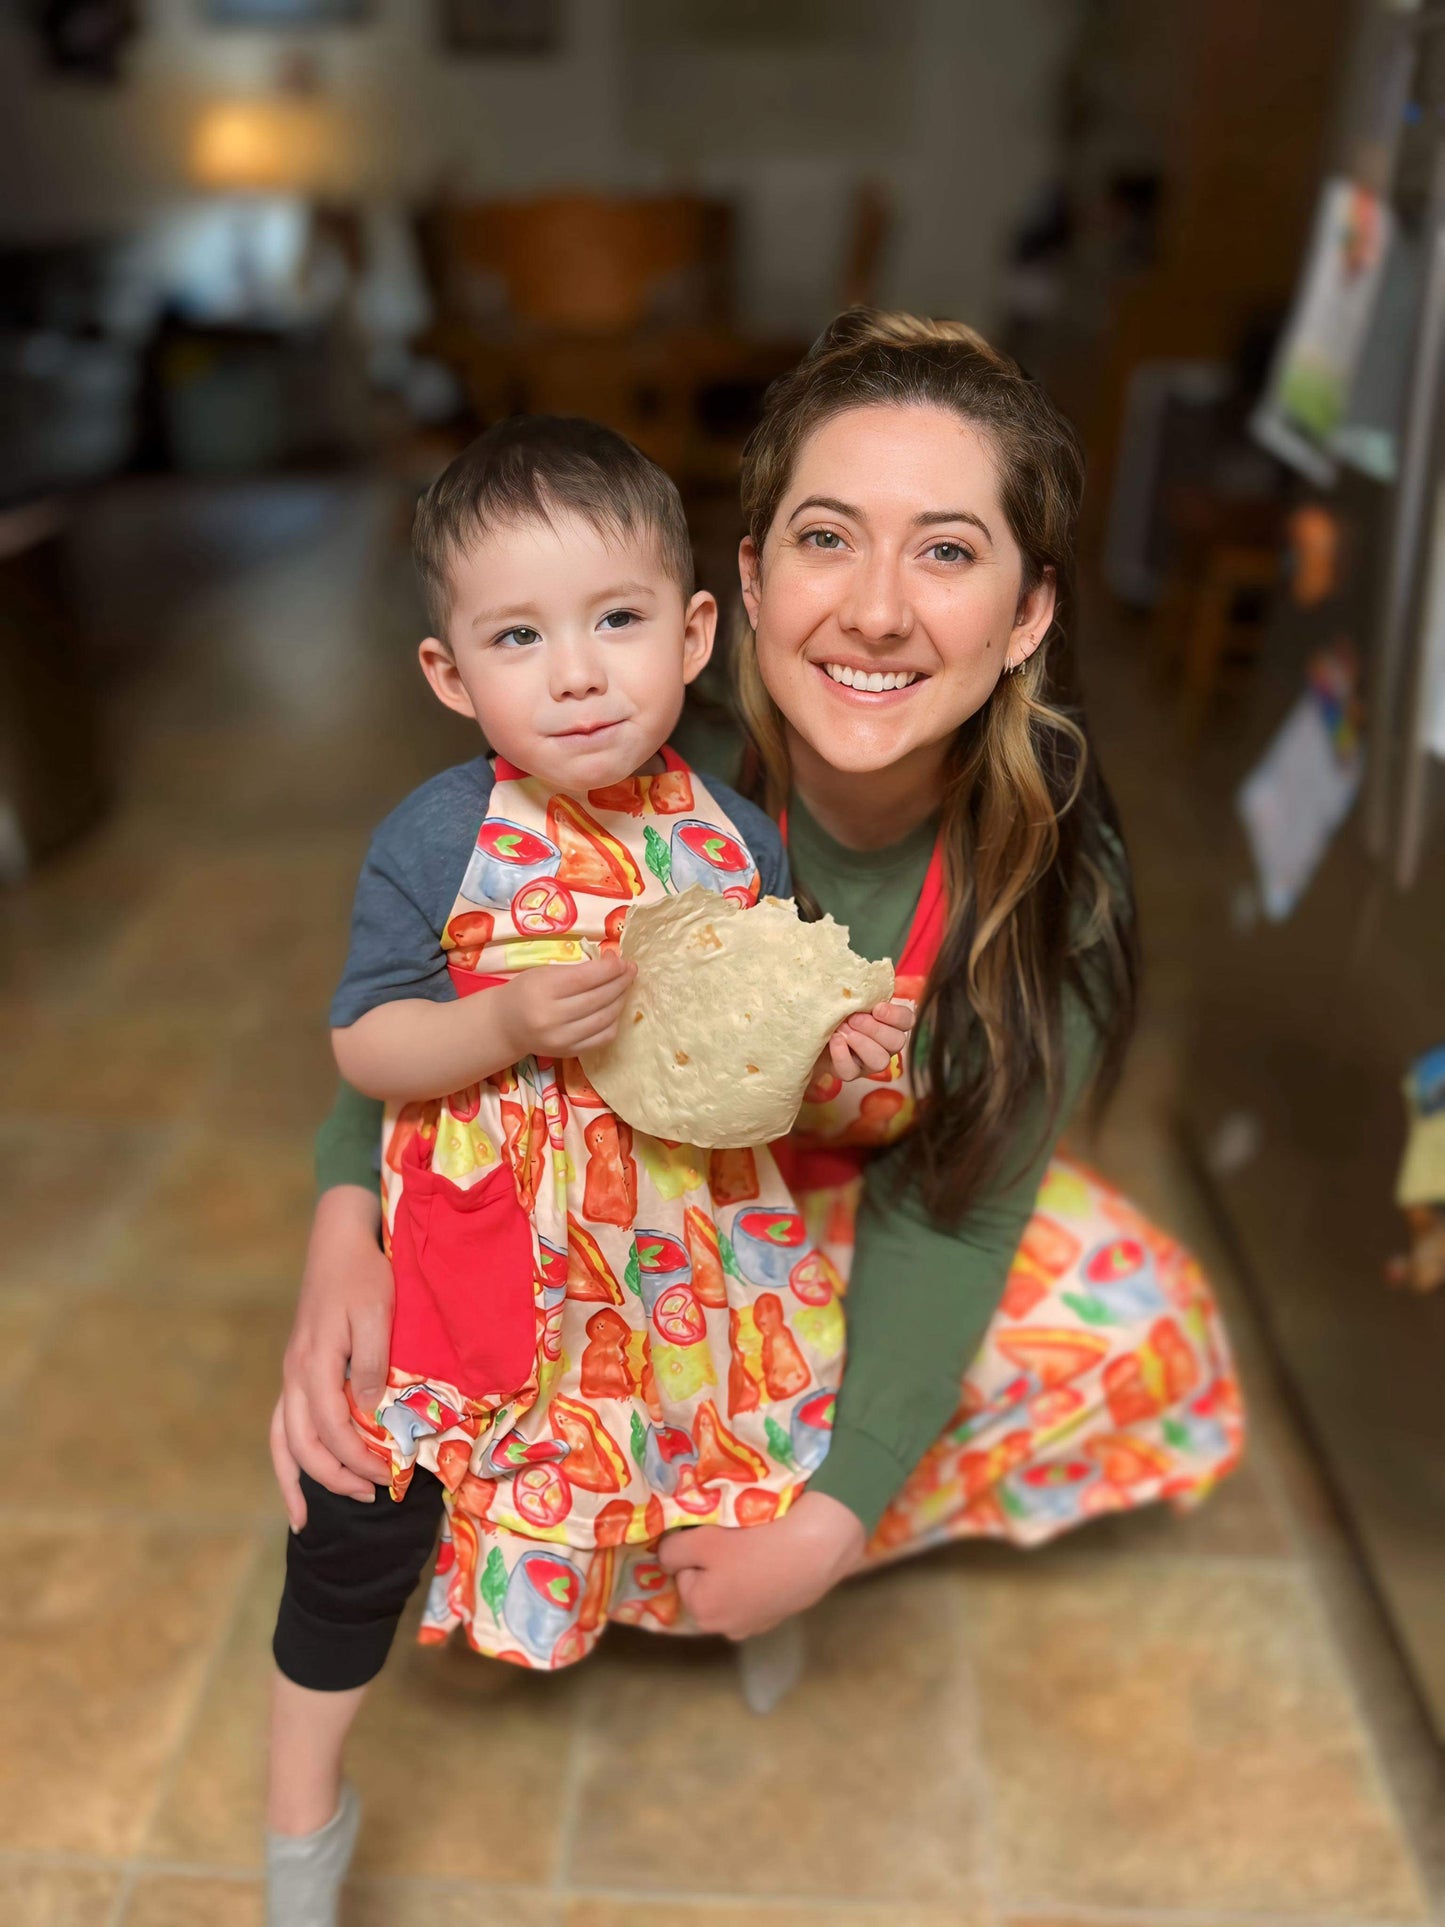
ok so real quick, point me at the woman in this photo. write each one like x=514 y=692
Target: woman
x=1024 y=1352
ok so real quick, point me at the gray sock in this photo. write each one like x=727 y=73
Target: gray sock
x=305 y=1871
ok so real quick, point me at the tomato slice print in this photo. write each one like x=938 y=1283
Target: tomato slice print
x=679 y=1317
x=542 y=1495
x=813 y=1279
x=544 y=908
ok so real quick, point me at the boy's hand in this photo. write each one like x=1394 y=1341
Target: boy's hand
x=867 y=1041
x=565 y=1009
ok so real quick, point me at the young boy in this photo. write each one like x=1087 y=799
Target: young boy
x=598 y=1336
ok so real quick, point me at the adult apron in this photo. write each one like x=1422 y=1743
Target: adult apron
x=1105 y=1380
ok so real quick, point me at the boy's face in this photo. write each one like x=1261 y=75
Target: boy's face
x=570 y=651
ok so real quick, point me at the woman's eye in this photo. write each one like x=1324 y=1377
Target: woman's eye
x=950 y=552
x=824 y=539
x=619 y=619
x=519 y=638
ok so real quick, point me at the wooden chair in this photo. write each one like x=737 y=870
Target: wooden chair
x=1225 y=560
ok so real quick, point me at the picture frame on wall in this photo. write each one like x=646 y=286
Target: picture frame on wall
x=501 y=26
x=285 y=13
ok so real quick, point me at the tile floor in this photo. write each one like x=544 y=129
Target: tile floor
x=1159 y=1721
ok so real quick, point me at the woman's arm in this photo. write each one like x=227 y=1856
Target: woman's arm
x=343 y=1316
x=921 y=1299
x=920 y=1302
x=348 y=1143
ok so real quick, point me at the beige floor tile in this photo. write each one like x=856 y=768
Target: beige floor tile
x=183 y=1900
x=214 y=1806
x=61 y=1189
x=278 y=1075
x=231 y=922
x=87 y=1060
x=56 y=1896
x=422 y=1903
x=164 y=1407
x=605 y=1912
x=1144 y=1918
x=1156 y=1737
x=860 y=1784
x=26 y=1314
x=104 y=1631
x=53 y=939
x=228 y=1210
x=458 y=1761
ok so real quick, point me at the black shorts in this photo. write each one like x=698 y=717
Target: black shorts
x=349 y=1573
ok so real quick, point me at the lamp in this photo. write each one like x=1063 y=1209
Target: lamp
x=269 y=146
x=264 y=157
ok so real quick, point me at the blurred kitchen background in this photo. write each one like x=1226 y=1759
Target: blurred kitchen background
x=264 y=265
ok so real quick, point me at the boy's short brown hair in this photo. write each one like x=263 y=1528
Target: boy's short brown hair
x=525 y=469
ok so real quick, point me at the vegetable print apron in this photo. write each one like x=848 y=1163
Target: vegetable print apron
x=598 y=1335
x=1105 y=1380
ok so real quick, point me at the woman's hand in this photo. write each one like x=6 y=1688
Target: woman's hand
x=867 y=1041
x=740 y=1581
x=344 y=1315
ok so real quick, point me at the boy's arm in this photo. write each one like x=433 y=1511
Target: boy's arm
x=413 y=1048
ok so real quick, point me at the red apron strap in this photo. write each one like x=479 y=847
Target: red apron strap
x=925 y=933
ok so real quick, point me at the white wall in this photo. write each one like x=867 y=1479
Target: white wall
x=950 y=104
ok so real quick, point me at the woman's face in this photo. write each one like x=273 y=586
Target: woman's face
x=887 y=600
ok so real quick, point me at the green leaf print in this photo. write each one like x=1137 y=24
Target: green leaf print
x=658 y=860
x=1176 y=1434
x=1093 y=1311
x=639 y=1439
x=631 y=1277
x=507 y=843
x=779 y=1444
x=1010 y=1502
x=494 y=1582
x=729 y=1256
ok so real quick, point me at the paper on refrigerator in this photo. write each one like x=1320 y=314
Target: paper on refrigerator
x=1307 y=397
x=1301 y=790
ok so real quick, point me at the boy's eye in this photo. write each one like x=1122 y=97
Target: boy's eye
x=950 y=552
x=619 y=619
x=518 y=638
x=824 y=539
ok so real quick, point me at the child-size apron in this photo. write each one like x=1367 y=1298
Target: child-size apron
x=598 y=1335
x=1105 y=1380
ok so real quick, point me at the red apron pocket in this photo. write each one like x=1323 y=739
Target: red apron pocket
x=463 y=1265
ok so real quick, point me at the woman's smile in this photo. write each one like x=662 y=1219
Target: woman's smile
x=869 y=680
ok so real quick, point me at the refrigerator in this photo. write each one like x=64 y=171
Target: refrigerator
x=1309 y=1021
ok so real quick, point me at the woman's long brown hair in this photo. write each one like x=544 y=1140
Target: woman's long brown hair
x=1039 y=902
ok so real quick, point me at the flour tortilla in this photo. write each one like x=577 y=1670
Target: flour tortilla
x=726 y=1016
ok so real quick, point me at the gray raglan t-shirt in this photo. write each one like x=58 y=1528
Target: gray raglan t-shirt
x=413 y=872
